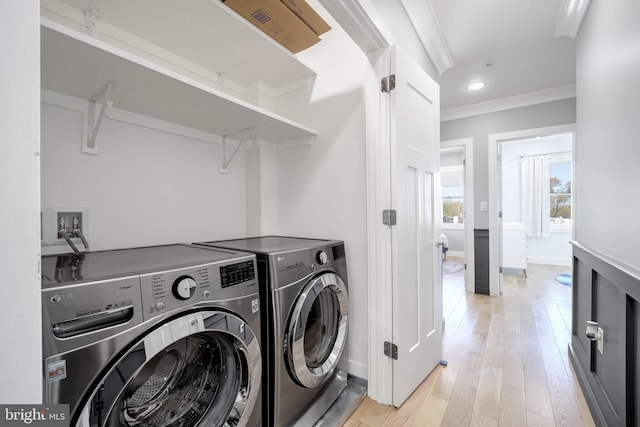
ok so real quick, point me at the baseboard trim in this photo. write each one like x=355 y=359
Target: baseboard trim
x=358 y=370
x=549 y=261
x=457 y=254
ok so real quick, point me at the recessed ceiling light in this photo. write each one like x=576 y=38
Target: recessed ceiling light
x=476 y=85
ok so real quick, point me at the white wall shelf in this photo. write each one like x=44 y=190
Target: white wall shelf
x=79 y=65
x=189 y=34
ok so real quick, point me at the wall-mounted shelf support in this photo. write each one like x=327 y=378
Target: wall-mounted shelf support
x=226 y=160
x=223 y=74
x=99 y=105
x=91 y=18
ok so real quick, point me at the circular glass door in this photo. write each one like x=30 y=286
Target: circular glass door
x=210 y=376
x=317 y=330
x=179 y=386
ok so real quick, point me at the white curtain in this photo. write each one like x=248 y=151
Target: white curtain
x=534 y=204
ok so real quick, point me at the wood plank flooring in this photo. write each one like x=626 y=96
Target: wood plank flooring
x=507 y=356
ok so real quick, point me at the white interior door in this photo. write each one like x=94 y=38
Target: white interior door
x=415 y=184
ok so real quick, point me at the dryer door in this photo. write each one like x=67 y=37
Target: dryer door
x=203 y=368
x=317 y=330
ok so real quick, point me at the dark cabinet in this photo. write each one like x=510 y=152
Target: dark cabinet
x=481 y=249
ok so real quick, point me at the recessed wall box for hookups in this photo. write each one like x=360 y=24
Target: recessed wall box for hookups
x=59 y=225
x=277 y=21
x=309 y=16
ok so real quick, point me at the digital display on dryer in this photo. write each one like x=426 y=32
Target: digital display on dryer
x=338 y=252
x=233 y=274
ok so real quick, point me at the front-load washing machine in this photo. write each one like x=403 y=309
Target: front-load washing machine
x=304 y=293
x=156 y=336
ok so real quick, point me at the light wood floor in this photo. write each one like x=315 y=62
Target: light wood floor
x=508 y=361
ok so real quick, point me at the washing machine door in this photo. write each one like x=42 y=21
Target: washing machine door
x=203 y=368
x=317 y=330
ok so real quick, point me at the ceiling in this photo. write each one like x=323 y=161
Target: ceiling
x=507 y=44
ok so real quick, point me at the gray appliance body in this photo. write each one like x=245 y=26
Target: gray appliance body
x=156 y=336
x=304 y=293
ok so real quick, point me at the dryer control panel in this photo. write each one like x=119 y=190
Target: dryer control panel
x=292 y=266
x=165 y=291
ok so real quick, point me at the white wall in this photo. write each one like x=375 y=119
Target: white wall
x=451 y=158
x=455 y=237
x=555 y=249
x=608 y=93
x=262 y=189
x=146 y=187
x=20 y=313
x=322 y=187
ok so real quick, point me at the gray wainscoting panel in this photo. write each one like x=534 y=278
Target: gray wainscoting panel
x=607 y=292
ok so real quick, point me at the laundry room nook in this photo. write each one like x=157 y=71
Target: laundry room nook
x=164 y=125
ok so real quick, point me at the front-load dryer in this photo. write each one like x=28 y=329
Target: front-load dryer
x=304 y=292
x=156 y=336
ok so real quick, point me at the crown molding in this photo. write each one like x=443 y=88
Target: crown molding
x=523 y=100
x=361 y=22
x=570 y=18
x=427 y=28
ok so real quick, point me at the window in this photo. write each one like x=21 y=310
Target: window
x=453 y=205
x=560 y=192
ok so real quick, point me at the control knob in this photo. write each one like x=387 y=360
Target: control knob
x=184 y=287
x=322 y=257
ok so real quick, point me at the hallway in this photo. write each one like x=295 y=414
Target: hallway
x=507 y=361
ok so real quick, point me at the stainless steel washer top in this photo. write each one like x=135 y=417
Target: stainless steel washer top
x=270 y=244
x=68 y=269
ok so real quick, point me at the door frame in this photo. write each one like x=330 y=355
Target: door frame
x=365 y=26
x=495 y=139
x=469 y=253
x=380 y=272
x=362 y=22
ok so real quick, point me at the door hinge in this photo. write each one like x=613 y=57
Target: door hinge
x=387 y=84
x=465 y=265
x=500 y=270
x=391 y=350
x=500 y=214
x=389 y=217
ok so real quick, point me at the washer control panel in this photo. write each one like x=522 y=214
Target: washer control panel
x=169 y=290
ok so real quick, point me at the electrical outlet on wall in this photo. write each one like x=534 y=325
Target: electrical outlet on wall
x=601 y=341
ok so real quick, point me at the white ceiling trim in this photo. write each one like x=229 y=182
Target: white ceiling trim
x=362 y=23
x=570 y=17
x=427 y=27
x=523 y=100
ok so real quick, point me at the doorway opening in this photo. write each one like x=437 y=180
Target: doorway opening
x=536 y=201
x=456 y=181
x=530 y=200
